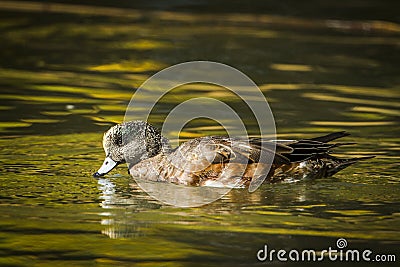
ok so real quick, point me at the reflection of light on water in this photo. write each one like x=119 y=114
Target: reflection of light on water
x=117 y=220
x=352 y=123
x=333 y=98
x=107 y=221
x=122 y=229
x=291 y=67
x=393 y=112
x=108 y=190
x=114 y=230
x=301 y=195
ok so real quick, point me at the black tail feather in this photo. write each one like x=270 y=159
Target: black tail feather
x=330 y=137
x=315 y=147
x=340 y=164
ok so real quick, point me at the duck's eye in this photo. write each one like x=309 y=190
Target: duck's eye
x=119 y=141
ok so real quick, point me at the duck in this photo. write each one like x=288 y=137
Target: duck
x=219 y=161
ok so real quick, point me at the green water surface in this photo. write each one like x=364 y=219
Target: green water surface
x=67 y=73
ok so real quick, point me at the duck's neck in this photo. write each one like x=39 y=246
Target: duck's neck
x=155 y=142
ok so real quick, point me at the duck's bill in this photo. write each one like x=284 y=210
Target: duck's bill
x=107 y=166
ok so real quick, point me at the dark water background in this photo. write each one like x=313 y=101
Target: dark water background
x=67 y=73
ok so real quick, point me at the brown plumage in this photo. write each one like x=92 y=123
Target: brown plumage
x=219 y=161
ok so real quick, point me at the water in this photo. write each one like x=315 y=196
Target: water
x=68 y=74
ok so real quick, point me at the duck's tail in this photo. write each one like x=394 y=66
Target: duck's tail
x=335 y=164
x=330 y=137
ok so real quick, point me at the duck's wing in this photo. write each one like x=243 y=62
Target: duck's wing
x=308 y=148
x=250 y=150
x=222 y=160
x=219 y=149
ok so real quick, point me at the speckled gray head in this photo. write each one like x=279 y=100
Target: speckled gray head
x=130 y=142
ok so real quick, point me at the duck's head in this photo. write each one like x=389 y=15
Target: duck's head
x=130 y=142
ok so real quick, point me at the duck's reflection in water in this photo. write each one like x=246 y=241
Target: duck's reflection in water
x=108 y=191
x=118 y=217
x=129 y=212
